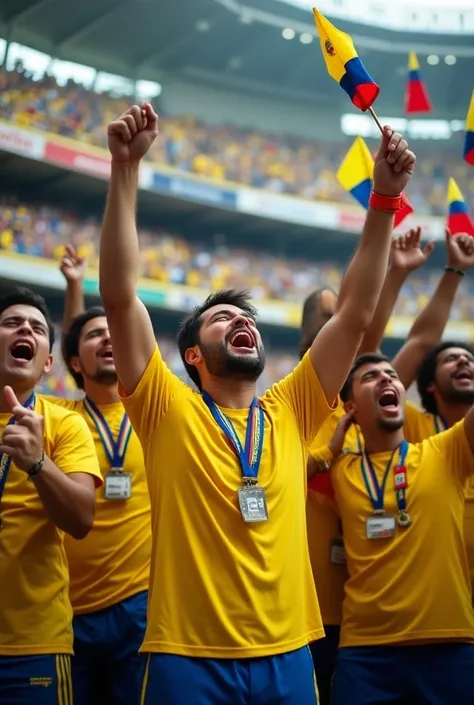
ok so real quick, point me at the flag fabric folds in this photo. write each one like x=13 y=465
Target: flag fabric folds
x=344 y=65
x=459 y=219
x=469 y=137
x=356 y=177
x=416 y=96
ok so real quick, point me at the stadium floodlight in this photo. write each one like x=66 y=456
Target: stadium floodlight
x=450 y=59
x=306 y=38
x=433 y=59
x=288 y=33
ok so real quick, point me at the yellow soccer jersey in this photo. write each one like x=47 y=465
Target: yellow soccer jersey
x=113 y=561
x=35 y=613
x=415 y=586
x=221 y=587
x=420 y=425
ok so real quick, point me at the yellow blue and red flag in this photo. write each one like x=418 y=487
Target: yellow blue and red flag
x=356 y=177
x=469 y=138
x=416 y=96
x=344 y=65
x=459 y=219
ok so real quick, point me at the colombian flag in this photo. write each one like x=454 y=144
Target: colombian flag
x=459 y=220
x=343 y=64
x=356 y=177
x=469 y=139
x=416 y=97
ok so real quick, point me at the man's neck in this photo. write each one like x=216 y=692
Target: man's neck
x=22 y=397
x=452 y=413
x=230 y=394
x=101 y=393
x=379 y=441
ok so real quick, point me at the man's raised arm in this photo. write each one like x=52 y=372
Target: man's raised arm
x=336 y=345
x=130 y=137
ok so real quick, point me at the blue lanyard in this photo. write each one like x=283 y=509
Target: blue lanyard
x=5 y=460
x=115 y=449
x=251 y=455
x=375 y=491
x=440 y=424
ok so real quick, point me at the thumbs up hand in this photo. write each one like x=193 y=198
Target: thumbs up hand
x=23 y=440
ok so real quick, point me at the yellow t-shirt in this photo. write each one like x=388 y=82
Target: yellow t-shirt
x=220 y=587
x=323 y=529
x=420 y=425
x=414 y=586
x=113 y=561
x=35 y=611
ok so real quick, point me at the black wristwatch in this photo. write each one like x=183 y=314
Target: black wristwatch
x=36 y=468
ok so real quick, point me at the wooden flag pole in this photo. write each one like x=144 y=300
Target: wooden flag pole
x=375 y=119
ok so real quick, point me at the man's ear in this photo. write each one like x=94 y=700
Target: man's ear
x=349 y=406
x=193 y=356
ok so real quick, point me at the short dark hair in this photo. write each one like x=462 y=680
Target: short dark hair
x=21 y=295
x=310 y=309
x=188 y=334
x=427 y=373
x=70 y=346
x=365 y=359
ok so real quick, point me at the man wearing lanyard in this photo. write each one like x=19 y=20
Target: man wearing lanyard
x=109 y=571
x=232 y=602
x=408 y=624
x=48 y=475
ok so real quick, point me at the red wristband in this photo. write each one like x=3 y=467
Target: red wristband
x=390 y=204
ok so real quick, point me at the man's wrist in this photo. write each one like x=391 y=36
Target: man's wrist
x=383 y=202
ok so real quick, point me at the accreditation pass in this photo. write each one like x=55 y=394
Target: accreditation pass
x=380 y=526
x=118 y=485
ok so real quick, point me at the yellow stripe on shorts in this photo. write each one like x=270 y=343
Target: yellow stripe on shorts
x=145 y=680
x=63 y=673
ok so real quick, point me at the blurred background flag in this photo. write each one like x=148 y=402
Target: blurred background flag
x=356 y=176
x=469 y=138
x=459 y=219
x=356 y=171
x=344 y=65
x=416 y=96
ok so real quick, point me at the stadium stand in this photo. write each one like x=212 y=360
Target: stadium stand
x=283 y=164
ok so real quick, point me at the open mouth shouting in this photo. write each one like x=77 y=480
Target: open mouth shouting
x=242 y=341
x=106 y=355
x=22 y=351
x=463 y=377
x=389 y=402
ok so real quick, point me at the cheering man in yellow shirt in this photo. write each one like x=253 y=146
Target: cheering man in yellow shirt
x=109 y=570
x=232 y=600
x=408 y=626
x=48 y=475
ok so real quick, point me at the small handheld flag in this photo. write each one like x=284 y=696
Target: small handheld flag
x=356 y=177
x=416 y=97
x=459 y=219
x=469 y=138
x=344 y=65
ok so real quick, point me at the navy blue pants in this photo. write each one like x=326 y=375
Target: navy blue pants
x=35 y=680
x=286 y=679
x=107 y=668
x=324 y=653
x=430 y=674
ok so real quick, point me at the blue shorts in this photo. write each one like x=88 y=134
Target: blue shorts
x=35 y=680
x=324 y=653
x=286 y=679
x=430 y=674
x=107 y=668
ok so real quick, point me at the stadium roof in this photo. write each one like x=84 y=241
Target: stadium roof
x=226 y=43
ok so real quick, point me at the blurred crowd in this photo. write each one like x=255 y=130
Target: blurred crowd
x=167 y=258
x=281 y=164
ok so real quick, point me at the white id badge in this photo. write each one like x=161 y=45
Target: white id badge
x=380 y=526
x=118 y=485
x=253 y=504
x=337 y=555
